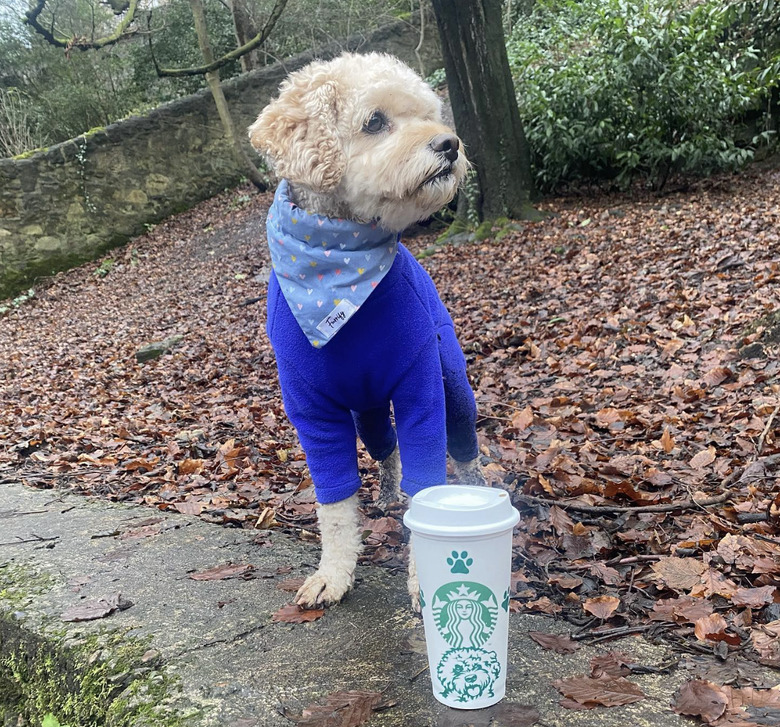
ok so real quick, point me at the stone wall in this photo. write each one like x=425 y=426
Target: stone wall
x=72 y=202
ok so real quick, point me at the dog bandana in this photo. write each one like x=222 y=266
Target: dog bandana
x=326 y=267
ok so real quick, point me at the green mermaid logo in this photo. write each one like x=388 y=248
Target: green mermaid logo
x=465 y=613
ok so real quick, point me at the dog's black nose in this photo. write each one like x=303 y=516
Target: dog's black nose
x=446 y=144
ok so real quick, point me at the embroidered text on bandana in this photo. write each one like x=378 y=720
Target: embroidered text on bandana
x=326 y=267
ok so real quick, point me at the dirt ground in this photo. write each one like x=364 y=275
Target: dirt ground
x=624 y=356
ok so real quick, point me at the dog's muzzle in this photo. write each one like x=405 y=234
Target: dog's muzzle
x=447 y=145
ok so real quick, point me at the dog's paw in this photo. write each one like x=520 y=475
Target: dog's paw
x=413 y=586
x=323 y=589
x=469 y=473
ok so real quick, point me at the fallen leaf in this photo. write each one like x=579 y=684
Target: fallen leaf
x=521 y=420
x=191 y=466
x=766 y=642
x=189 y=507
x=341 y=709
x=613 y=663
x=679 y=574
x=223 y=572
x=698 y=698
x=561 y=520
x=713 y=628
x=543 y=604
x=92 y=610
x=602 y=606
x=604 y=691
x=754 y=597
x=717 y=376
x=606 y=573
x=292 y=613
x=567 y=582
x=713 y=583
x=511 y=714
x=559 y=643
x=266 y=519
x=667 y=442
x=703 y=458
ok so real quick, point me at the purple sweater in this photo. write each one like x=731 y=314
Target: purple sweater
x=399 y=346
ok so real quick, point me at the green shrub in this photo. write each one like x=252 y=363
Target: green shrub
x=620 y=89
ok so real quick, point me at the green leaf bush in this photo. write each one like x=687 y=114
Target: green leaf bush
x=624 y=89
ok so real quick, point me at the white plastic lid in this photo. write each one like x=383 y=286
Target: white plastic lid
x=460 y=511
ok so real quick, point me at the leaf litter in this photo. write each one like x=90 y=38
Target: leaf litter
x=626 y=375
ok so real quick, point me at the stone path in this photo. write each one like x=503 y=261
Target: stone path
x=210 y=650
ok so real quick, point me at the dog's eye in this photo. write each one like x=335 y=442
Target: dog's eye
x=376 y=123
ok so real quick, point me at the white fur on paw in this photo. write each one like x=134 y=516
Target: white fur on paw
x=469 y=473
x=413 y=586
x=322 y=588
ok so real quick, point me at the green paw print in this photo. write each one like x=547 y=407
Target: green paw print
x=460 y=563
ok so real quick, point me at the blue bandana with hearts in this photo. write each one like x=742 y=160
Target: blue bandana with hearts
x=326 y=267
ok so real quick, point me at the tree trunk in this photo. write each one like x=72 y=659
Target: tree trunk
x=212 y=78
x=245 y=30
x=485 y=107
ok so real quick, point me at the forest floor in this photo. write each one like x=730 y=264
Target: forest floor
x=624 y=355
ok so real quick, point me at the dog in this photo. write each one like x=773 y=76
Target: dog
x=469 y=673
x=354 y=320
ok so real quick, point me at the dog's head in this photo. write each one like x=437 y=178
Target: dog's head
x=365 y=131
x=469 y=673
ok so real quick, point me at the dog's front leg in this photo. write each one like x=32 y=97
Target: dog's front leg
x=340 y=533
x=389 y=480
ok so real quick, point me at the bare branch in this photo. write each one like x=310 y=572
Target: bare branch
x=233 y=55
x=31 y=17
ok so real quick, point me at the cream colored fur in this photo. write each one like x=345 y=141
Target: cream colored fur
x=313 y=134
x=317 y=135
x=340 y=532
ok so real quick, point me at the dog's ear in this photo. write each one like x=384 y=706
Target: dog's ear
x=298 y=131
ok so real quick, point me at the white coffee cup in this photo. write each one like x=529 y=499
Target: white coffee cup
x=462 y=545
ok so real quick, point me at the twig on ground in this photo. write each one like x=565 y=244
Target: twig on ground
x=15 y=513
x=34 y=539
x=606 y=509
x=611 y=633
x=419 y=673
x=251 y=301
x=767 y=428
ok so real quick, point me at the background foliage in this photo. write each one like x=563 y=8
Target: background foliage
x=619 y=89
x=57 y=95
x=608 y=89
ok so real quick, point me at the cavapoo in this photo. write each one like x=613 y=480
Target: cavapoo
x=355 y=322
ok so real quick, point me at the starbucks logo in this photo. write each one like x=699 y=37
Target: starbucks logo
x=465 y=613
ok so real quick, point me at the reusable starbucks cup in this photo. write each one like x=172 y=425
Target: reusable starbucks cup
x=462 y=546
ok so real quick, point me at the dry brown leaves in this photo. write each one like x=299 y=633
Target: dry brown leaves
x=92 y=610
x=341 y=709
x=559 y=643
x=292 y=613
x=602 y=691
x=624 y=355
x=245 y=571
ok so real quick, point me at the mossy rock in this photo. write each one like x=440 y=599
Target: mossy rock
x=54 y=676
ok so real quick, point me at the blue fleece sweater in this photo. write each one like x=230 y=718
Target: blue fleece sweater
x=400 y=347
